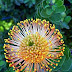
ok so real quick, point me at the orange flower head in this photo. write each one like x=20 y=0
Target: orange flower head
x=34 y=45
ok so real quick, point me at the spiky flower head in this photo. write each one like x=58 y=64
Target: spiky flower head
x=34 y=45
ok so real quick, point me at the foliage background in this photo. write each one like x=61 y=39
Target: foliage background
x=58 y=12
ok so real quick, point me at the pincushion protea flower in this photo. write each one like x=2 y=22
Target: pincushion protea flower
x=34 y=45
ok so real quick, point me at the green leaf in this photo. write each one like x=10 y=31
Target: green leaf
x=70 y=70
x=67 y=52
x=67 y=19
x=63 y=14
x=59 y=3
x=48 y=1
x=46 y=6
x=62 y=61
x=0 y=57
x=43 y=13
x=38 y=2
x=66 y=65
x=11 y=70
x=65 y=25
x=2 y=63
x=1 y=28
x=9 y=24
x=49 y=11
x=55 y=17
x=70 y=1
x=38 y=13
x=57 y=68
x=53 y=1
x=53 y=7
x=60 y=9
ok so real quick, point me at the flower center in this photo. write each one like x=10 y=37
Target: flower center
x=34 y=48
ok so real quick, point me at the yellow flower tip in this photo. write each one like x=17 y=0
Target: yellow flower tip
x=54 y=67
x=6 y=60
x=58 y=60
x=31 y=19
x=49 y=55
x=12 y=62
x=12 y=49
x=18 y=38
x=45 y=25
x=60 y=57
x=35 y=69
x=17 y=49
x=10 y=65
x=8 y=33
x=13 y=66
x=13 y=54
x=18 y=56
x=46 y=69
x=6 y=57
x=4 y=53
x=27 y=68
x=56 y=64
x=50 y=70
x=50 y=41
x=32 y=61
x=4 y=46
x=46 y=65
x=17 y=70
x=52 y=55
x=41 y=67
x=21 y=21
x=51 y=64
x=63 y=44
x=39 y=23
x=18 y=23
x=13 y=69
x=63 y=47
x=5 y=50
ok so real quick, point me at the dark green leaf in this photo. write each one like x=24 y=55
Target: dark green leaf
x=60 y=9
x=53 y=7
x=49 y=11
x=46 y=6
x=1 y=28
x=67 y=52
x=48 y=1
x=67 y=19
x=38 y=13
x=2 y=63
x=0 y=57
x=43 y=13
x=64 y=25
x=57 y=68
x=59 y=3
x=55 y=17
x=62 y=61
x=63 y=14
x=17 y=3
x=38 y=2
x=66 y=65
x=70 y=1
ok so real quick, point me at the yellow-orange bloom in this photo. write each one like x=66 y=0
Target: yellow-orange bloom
x=34 y=45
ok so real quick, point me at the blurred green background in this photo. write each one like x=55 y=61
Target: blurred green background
x=58 y=12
